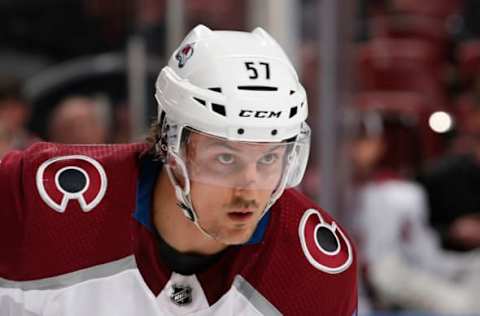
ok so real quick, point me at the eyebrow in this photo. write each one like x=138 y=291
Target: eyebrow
x=226 y=145
x=221 y=144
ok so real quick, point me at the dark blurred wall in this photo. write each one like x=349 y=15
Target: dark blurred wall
x=60 y=29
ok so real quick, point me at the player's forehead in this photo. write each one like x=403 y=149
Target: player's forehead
x=205 y=142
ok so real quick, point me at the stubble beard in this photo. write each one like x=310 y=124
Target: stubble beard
x=237 y=234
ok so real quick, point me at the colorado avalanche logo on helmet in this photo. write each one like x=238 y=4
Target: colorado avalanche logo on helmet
x=184 y=54
x=325 y=245
x=74 y=177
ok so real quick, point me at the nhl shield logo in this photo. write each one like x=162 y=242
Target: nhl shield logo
x=184 y=54
x=181 y=294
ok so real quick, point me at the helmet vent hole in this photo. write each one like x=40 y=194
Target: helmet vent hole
x=240 y=131
x=274 y=132
x=301 y=105
x=293 y=111
x=202 y=102
x=216 y=89
x=219 y=109
x=292 y=92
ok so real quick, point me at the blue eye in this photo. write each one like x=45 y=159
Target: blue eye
x=269 y=159
x=226 y=159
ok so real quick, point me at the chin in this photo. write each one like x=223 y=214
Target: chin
x=237 y=237
x=235 y=242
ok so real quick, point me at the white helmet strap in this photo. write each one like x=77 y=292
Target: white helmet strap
x=182 y=194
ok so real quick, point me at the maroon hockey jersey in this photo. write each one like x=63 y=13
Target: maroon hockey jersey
x=76 y=239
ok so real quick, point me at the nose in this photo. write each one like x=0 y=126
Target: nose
x=248 y=176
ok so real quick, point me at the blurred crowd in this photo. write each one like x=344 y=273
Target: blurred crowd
x=415 y=210
x=413 y=206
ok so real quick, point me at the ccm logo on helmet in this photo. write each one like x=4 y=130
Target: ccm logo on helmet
x=260 y=114
x=324 y=244
x=75 y=177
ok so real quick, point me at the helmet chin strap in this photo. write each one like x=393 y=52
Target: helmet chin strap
x=184 y=198
x=183 y=194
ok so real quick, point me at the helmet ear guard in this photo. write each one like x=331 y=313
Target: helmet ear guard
x=177 y=172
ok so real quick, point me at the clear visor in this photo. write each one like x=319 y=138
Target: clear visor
x=257 y=166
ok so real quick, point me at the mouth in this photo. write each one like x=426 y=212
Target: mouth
x=240 y=216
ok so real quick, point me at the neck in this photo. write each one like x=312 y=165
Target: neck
x=177 y=230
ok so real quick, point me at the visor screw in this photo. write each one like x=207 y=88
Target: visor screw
x=240 y=131
x=274 y=132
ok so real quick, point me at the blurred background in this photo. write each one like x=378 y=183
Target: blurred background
x=394 y=95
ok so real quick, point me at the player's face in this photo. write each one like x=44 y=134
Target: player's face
x=231 y=184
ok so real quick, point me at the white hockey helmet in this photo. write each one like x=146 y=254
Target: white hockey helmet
x=237 y=86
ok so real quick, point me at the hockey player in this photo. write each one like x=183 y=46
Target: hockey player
x=200 y=222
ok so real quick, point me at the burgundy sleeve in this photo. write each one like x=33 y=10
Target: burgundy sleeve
x=11 y=211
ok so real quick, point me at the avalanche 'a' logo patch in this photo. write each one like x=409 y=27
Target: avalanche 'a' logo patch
x=184 y=54
x=325 y=245
x=74 y=177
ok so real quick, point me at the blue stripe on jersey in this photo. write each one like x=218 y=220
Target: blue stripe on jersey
x=148 y=176
x=146 y=182
x=260 y=230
